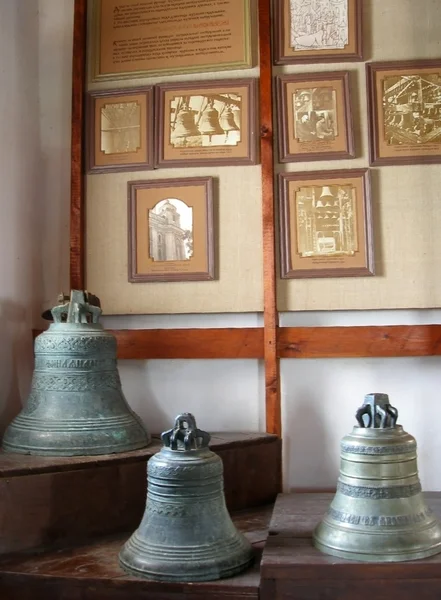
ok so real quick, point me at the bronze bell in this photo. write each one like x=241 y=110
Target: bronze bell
x=227 y=121
x=236 y=116
x=185 y=125
x=186 y=533
x=378 y=512
x=76 y=405
x=209 y=123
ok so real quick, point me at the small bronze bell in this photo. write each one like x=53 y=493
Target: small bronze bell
x=186 y=533
x=76 y=405
x=378 y=513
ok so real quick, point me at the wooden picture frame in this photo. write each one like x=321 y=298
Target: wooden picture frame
x=317 y=41
x=129 y=41
x=404 y=112
x=314 y=117
x=171 y=232
x=326 y=224
x=120 y=130
x=206 y=123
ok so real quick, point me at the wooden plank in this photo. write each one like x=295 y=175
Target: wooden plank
x=77 y=217
x=293 y=342
x=270 y=314
x=189 y=343
x=360 y=342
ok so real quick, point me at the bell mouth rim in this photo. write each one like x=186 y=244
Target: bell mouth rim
x=379 y=558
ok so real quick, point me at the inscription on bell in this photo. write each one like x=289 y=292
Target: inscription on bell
x=379 y=520
x=85 y=364
x=72 y=363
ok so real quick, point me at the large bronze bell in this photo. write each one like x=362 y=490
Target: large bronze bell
x=76 y=405
x=378 y=513
x=186 y=533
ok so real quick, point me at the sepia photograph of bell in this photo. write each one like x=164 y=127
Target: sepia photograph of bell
x=209 y=123
x=185 y=125
x=227 y=121
x=186 y=533
x=76 y=406
x=378 y=513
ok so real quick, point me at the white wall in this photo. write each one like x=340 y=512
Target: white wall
x=20 y=200
x=319 y=396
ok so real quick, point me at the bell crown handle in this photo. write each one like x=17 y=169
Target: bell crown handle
x=377 y=412
x=80 y=307
x=185 y=435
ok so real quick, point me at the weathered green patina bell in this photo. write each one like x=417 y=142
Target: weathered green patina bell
x=186 y=533
x=76 y=405
x=378 y=513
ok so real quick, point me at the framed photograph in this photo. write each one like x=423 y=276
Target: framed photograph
x=326 y=224
x=171 y=230
x=404 y=101
x=129 y=39
x=206 y=123
x=315 y=32
x=120 y=130
x=314 y=117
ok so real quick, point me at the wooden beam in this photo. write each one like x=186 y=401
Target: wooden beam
x=294 y=342
x=360 y=342
x=270 y=315
x=77 y=274
x=189 y=343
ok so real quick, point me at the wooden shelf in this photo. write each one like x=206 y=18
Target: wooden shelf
x=47 y=501
x=91 y=572
x=293 y=569
x=287 y=566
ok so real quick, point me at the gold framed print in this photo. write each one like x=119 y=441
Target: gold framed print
x=171 y=230
x=404 y=101
x=326 y=224
x=120 y=130
x=314 y=117
x=129 y=39
x=206 y=123
x=319 y=31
